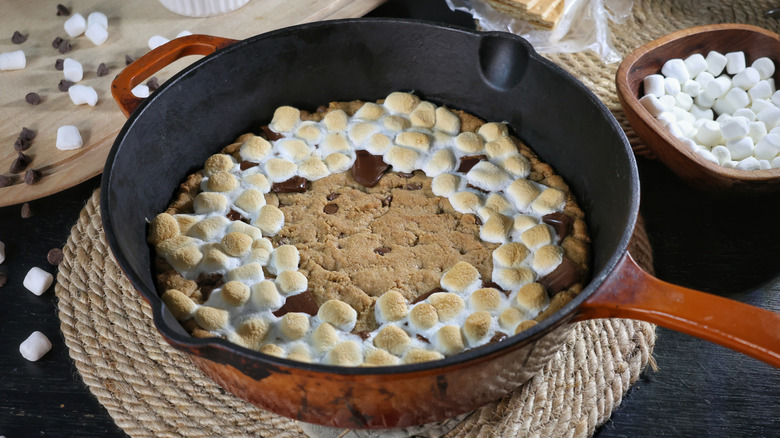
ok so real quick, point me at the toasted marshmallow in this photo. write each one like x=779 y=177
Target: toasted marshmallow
x=215 y=260
x=249 y=273
x=462 y=277
x=254 y=149
x=334 y=142
x=265 y=295
x=414 y=140
x=417 y=355
x=391 y=306
x=499 y=204
x=423 y=115
x=525 y=325
x=211 y=318
x=512 y=278
x=469 y=143
x=293 y=149
x=180 y=305
x=236 y=244
x=218 y=163
x=398 y=102
x=270 y=220
x=465 y=202
x=258 y=255
x=380 y=358
x=300 y=352
x=501 y=148
x=441 y=161
x=280 y=169
x=378 y=144
x=445 y=184
x=185 y=221
x=291 y=282
x=324 y=337
x=547 y=258
x=347 y=353
x=509 y=318
x=548 y=201
x=537 y=236
x=272 y=350
x=313 y=168
x=393 y=339
x=294 y=325
x=531 y=298
x=210 y=228
x=283 y=258
x=370 y=111
x=235 y=293
x=488 y=299
x=496 y=229
x=488 y=176
x=510 y=255
x=359 y=132
x=402 y=159
x=395 y=123
x=309 y=131
x=262 y=242
x=167 y=247
x=250 y=200
x=209 y=202
x=517 y=165
x=259 y=181
x=253 y=331
x=524 y=222
x=522 y=192
x=448 y=305
x=446 y=121
x=338 y=314
x=163 y=226
x=477 y=327
x=241 y=227
x=449 y=340
x=335 y=121
x=285 y=118
x=492 y=131
x=338 y=162
x=423 y=316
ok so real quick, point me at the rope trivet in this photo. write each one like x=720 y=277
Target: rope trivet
x=650 y=20
x=151 y=389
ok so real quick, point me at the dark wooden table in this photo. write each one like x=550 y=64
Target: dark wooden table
x=724 y=245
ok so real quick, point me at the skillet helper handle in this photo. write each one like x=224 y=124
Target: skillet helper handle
x=156 y=60
x=630 y=292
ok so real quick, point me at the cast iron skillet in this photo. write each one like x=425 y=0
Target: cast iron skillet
x=496 y=76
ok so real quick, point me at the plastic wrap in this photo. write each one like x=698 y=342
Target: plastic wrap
x=583 y=26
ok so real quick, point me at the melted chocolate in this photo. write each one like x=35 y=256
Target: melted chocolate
x=303 y=302
x=562 y=223
x=330 y=208
x=423 y=339
x=269 y=134
x=406 y=175
x=386 y=202
x=413 y=186
x=332 y=196
x=236 y=216
x=207 y=283
x=382 y=250
x=566 y=274
x=498 y=337
x=469 y=161
x=364 y=334
x=477 y=188
x=425 y=296
x=368 y=168
x=244 y=165
x=296 y=184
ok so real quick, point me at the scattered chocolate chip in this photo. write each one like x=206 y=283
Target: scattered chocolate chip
x=330 y=208
x=6 y=181
x=62 y=10
x=18 y=38
x=382 y=250
x=27 y=134
x=102 y=70
x=59 y=64
x=21 y=144
x=386 y=202
x=247 y=165
x=20 y=163
x=32 y=98
x=55 y=256
x=332 y=196
x=128 y=59
x=64 y=84
x=32 y=176
x=56 y=43
x=64 y=47
x=270 y=135
x=413 y=186
x=26 y=211
x=153 y=83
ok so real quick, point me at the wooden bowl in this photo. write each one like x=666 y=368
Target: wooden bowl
x=681 y=159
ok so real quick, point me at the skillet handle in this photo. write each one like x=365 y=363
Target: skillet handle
x=630 y=292
x=155 y=61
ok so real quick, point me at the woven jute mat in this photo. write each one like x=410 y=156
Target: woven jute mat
x=151 y=389
x=650 y=20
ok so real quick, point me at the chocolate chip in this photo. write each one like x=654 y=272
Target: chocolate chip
x=330 y=208
x=32 y=176
x=208 y=282
x=386 y=202
x=20 y=163
x=332 y=196
x=55 y=256
x=477 y=221
x=153 y=83
x=365 y=334
x=406 y=175
x=21 y=144
x=27 y=134
x=413 y=186
x=469 y=161
x=382 y=250
x=58 y=64
x=6 y=181
x=269 y=134
x=26 y=211
x=128 y=59
x=3 y=280
x=296 y=184
x=64 y=84
x=64 y=47
x=244 y=165
x=56 y=43
x=422 y=338
x=102 y=70
x=18 y=38
x=62 y=10
x=233 y=215
x=32 y=98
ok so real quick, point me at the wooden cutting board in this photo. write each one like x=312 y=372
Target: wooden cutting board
x=130 y=25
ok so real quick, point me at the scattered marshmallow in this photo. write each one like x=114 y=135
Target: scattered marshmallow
x=141 y=91
x=716 y=62
x=695 y=64
x=97 y=18
x=675 y=68
x=13 y=60
x=735 y=62
x=72 y=70
x=35 y=346
x=81 y=94
x=75 y=25
x=184 y=33
x=37 y=280
x=157 y=41
x=68 y=138
x=765 y=67
x=97 y=33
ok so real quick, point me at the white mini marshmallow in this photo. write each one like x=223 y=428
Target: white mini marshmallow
x=652 y=105
x=768 y=147
x=674 y=129
x=692 y=144
x=776 y=98
x=654 y=84
x=98 y=18
x=2 y=252
x=740 y=148
x=765 y=67
x=96 y=33
x=709 y=134
x=81 y=94
x=756 y=131
x=716 y=62
x=746 y=113
x=760 y=105
x=141 y=91
x=704 y=78
x=749 y=163
x=683 y=115
x=35 y=346
x=776 y=163
x=702 y=113
x=723 y=106
x=723 y=117
x=704 y=100
x=666 y=118
x=37 y=280
x=762 y=90
x=687 y=129
x=13 y=60
x=764 y=164
x=718 y=87
x=684 y=101
x=672 y=86
x=75 y=25
x=735 y=127
x=72 y=70
x=184 y=33
x=772 y=84
x=668 y=102
x=68 y=138
x=675 y=68
x=692 y=88
x=746 y=79
x=707 y=155
x=156 y=41
x=735 y=62
x=730 y=164
x=695 y=64
x=721 y=153
x=770 y=116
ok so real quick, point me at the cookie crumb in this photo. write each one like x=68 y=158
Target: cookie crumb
x=26 y=211
x=18 y=38
x=32 y=98
x=55 y=256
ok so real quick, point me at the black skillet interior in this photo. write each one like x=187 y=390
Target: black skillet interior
x=496 y=76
